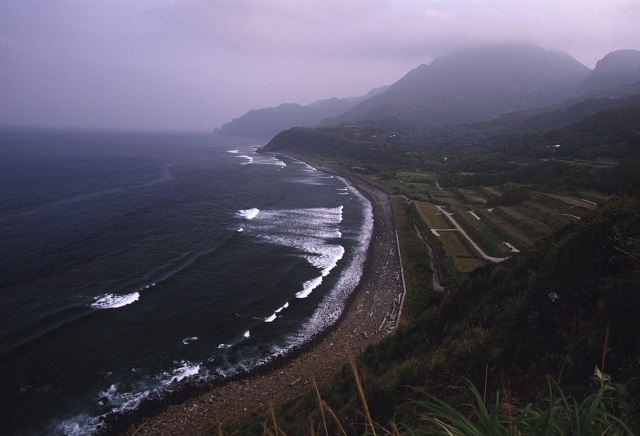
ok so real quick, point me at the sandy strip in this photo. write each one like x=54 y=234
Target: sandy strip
x=372 y=300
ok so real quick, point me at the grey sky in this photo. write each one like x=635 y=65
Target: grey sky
x=196 y=64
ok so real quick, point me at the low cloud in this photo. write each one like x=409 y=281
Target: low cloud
x=185 y=64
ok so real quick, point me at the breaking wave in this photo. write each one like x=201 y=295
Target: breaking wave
x=249 y=214
x=112 y=301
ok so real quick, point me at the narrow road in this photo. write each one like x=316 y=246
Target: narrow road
x=471 y=241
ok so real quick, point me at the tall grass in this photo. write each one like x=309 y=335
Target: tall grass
x=604 y=410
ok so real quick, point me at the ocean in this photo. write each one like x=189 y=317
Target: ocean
x=139 y=266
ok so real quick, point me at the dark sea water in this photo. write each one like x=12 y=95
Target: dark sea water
x=132 y=265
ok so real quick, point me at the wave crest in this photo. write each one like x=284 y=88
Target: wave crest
x=112 y=301
x=248 y=214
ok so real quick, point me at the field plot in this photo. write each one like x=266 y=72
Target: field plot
x=474 y=197
x=464 y=256
x=483 y=234
x=593 y=196
x=417 y=177
x=501 y=226
x=531 y=227
x=515 y=222
x=489 y=190
x=549 y=216
x=443 y=196
x=432 y=216
x=574 y=203
x=416 y=185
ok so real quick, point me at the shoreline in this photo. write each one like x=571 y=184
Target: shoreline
x=364 y=321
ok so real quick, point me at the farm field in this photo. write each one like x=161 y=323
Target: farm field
x=501 y=220
x=464 y=256
x=501 y=230
x=432 y=216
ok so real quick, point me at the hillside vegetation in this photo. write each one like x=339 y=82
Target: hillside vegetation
x=562 y=303
x=567 y=304
x=520 y=242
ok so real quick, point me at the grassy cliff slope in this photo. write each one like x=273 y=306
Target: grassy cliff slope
x=549 y=311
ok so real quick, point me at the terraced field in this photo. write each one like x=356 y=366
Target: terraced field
x=498 y=231
x=499 y=225
x=464 y=256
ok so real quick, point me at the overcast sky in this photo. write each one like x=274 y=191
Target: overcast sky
x=196 y=64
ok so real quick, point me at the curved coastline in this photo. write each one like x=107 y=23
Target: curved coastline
x=365 y=320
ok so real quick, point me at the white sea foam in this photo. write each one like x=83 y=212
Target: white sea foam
x=112 y=301
x=248 y=159
x=187 y=341
x=121 y=399
x=255 y=158
x=327 y=258
x=310 y=231
x=248 y=214
x=279 y=163
x=307 y=166
x=79 y=426
x=263 y=159
x=184 y=370
x=274 y=315
x=308 y=287
x=332 y=306
x=333 y=303
x=313 y=222
x=232 y=151
x=314 y=234
x=326 y=261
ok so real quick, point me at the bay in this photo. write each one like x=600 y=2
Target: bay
x=137 y=265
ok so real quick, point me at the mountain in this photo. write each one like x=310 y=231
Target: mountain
x=570 y=111
x=599 y=133
x=520 y=86
x=614 y=82
x=476 y=84
x=266 y=122
x=617 y=69
x=613 y=132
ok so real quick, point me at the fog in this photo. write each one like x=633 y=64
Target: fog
x=196 y=64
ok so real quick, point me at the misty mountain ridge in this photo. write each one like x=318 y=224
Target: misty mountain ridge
x=518 y=85
x=570 y=111
x=616 y=69
x=477 y=84
x=482 y=84
x=266 y=122
x=613 y=83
